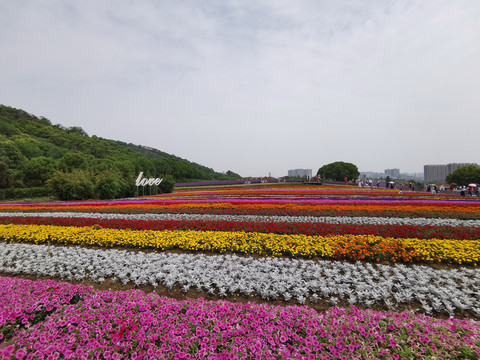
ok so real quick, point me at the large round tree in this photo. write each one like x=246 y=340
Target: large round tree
x=465 y=175
x=338 y=171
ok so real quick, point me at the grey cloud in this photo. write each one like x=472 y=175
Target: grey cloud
x=273 y=84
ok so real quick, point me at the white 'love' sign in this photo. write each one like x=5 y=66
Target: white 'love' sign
x=145 y=181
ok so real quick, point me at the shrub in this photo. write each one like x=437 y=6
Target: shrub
x=20 y=193
x=167 y=184
x=77 y=185
x=110 y=185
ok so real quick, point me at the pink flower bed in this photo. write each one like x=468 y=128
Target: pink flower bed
x=49 y=320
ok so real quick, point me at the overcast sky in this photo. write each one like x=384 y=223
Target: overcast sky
x=254 y=86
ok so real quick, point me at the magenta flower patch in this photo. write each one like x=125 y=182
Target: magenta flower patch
x=133 y=324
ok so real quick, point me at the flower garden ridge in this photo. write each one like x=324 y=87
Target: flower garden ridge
x=292 y=272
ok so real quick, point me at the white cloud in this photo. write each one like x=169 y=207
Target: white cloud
x=254 y=86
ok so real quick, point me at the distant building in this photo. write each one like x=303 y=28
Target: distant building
x=300 y=172
x=367 y=175
x=412 y=176
x=439 y=173
x=393 y=173
x=435 y=173
x=370 y=175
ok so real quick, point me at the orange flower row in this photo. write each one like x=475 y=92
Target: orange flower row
x=340 y=206
x=356 y=248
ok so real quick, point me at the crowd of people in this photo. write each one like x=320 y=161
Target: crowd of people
x=378 y=184
x=471 y=190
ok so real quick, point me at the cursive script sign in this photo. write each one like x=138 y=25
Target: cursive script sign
x=145 y=181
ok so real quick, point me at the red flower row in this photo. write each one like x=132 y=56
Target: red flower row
x=285 y=212
x=321 y=229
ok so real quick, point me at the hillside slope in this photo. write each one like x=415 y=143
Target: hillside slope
x=32 y=149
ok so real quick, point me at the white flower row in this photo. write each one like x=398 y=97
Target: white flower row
x=270 y=278
x=259 y=218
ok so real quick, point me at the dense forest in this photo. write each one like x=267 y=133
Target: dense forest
x=38 y=158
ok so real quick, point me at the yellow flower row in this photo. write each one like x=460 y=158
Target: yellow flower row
x=355 y=247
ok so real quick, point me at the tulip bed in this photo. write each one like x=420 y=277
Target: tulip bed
x=323 y=265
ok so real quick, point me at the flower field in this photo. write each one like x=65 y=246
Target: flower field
x=267 y=271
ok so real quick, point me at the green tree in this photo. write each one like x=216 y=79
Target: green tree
x=167 y=184
x=232 y=175
x=109 y=185
x=76 y=160
x=12 y=164
x=75 y=185
x=127 y=172
x=144 y=164
x=163 y=166
x=38 y=170
x=7 y=175
x=27 y=145
x=98 y=165
x=465 y=175
x=338 y=171
x=7 y=128
x=51 y=150
x=126 y=169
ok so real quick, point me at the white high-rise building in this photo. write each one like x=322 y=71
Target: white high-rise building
x=438 y=173
x=393 y=173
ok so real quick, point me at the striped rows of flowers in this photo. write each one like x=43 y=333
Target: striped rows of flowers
x=351 y=247
x=305 y=281
x=327 y=190
x=334 y=197
x=316 y=207
x=295 y=193
x=303 y=227
x=79 y=322
x=286 y=190
x=186 y=243
x=255 y=218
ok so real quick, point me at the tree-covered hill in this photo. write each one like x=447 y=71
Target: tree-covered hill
x=157 y=154
x=36 y=153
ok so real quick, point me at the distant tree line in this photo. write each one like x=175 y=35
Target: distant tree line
x=67 y=163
